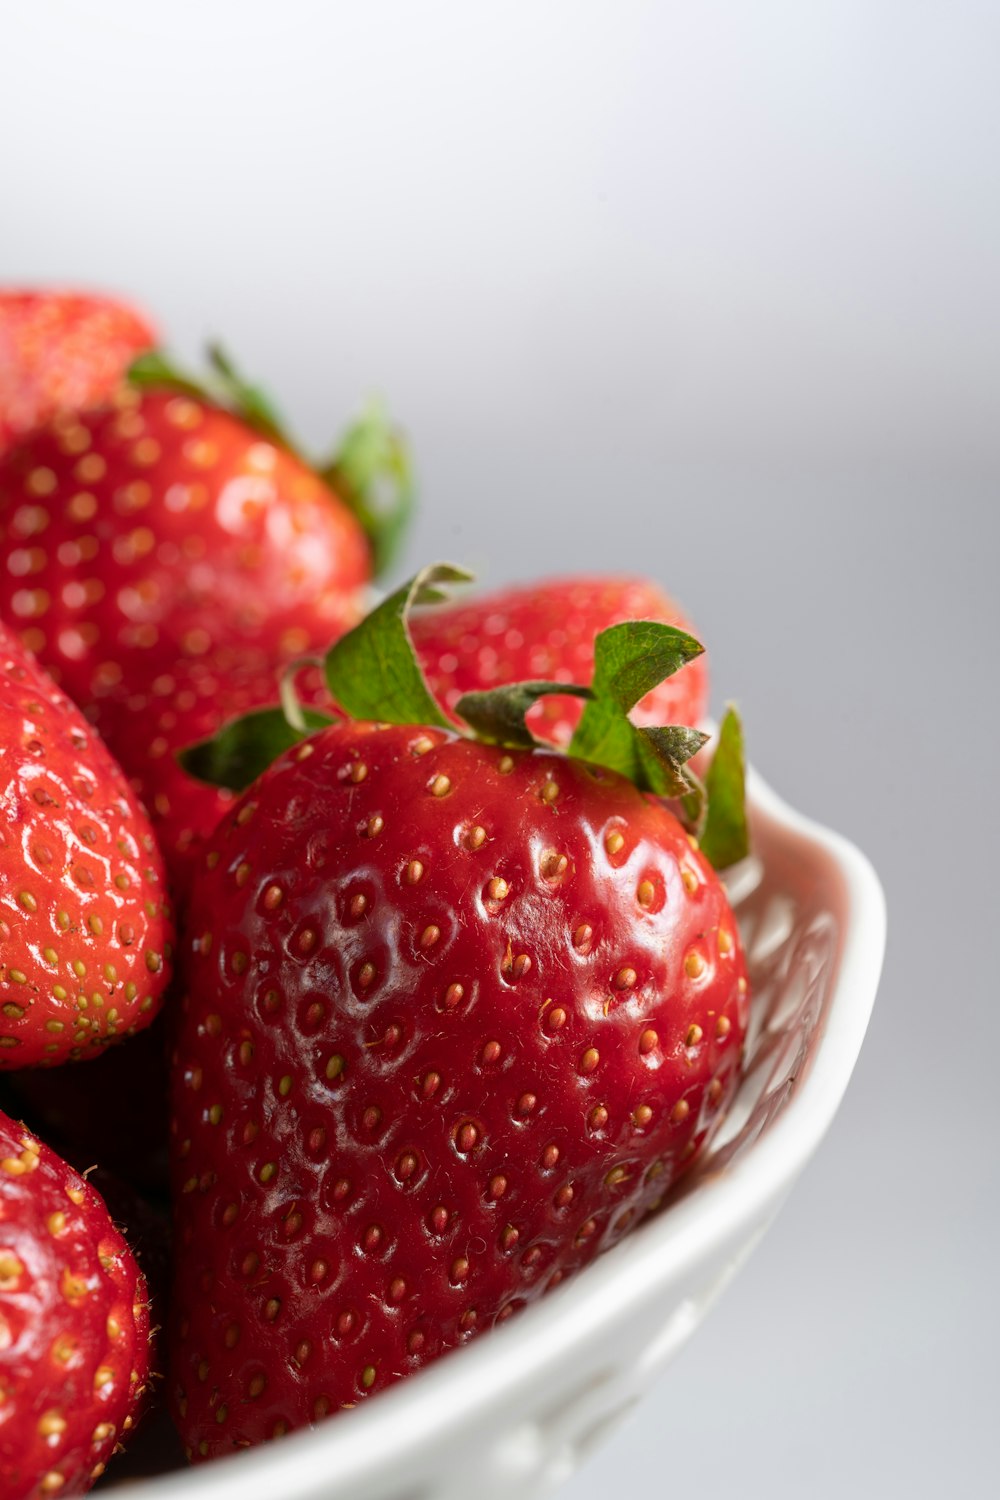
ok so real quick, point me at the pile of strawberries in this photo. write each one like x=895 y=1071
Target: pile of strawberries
x=403 y=927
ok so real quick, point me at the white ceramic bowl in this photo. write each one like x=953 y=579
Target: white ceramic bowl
x=520 y=1408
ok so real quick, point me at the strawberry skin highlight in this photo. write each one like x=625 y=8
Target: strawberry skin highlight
x=456 y=1018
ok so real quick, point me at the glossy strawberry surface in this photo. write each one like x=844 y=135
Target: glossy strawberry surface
x=85 y=927
x=455 y=1020
x=546 y=631
x=161 y=528
x=74 y=1325
x=61 y=352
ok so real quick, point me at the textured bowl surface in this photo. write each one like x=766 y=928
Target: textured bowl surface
x=523 y=1406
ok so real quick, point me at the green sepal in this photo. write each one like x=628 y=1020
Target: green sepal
x=725 y=838
x=154 y=369
x=373 y=672
x=251 y=402
x=629 y=661
x=372 y=472
x=663 y=753
x=633 y=658
x=245 y=747
x=497 y=715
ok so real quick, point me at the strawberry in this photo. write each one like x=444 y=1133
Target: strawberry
x=547 y=630
x=61 y=352
x=86 y=932
x=74 y=1325
x=458 y=1013
x=163 y=527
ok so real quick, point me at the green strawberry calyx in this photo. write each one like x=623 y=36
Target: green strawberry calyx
x=373 y=673
x=371 y=470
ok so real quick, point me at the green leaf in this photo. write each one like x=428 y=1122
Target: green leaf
x=726 y=835
x=251 y=402
x=497 y=715
x=663 y=753
x=372 y=472
x=245 y=747
x=629 y=661
x=154 y=368
x=373 y=671
x=228 y=389
x=633 y=658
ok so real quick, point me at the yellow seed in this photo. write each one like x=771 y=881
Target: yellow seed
x=614 y=842
x=51 y=1424
x=498 y=889
x=440 y=786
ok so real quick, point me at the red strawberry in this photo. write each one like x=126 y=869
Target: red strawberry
x=457 y=1016
x=547 y=630
x=61 y=352
x=151 y=532
x=74 y=1325
x=86 y=933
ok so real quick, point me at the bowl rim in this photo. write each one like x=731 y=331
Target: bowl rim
x=418 y=1412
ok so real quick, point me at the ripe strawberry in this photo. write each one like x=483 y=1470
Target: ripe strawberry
x=152 y=531
x=74 y=1325
x=85 y=929
x=61 y=352
x=457 y=1016
x=547 y=630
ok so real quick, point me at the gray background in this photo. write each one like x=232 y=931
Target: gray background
x=708 y=291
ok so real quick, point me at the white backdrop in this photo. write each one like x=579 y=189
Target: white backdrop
x=703 y=290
